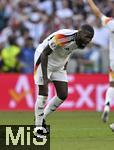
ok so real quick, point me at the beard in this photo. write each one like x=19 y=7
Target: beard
x=81 y=46
x=81 y=41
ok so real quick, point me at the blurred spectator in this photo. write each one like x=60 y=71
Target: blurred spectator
x=24 y=33
x=1 y=57
x=27 y=56
x=9 y=56
x=78 y=7
x=13 y=29
x=78 y=20
x=35 y=26
x=91 y=60
x=88 y=61
x=45 y=5
x=112 y=8
x=68 y=23
x=39 y=18
x=65 y=11
x=2 y=16
x=101 y=36
x=47 y=26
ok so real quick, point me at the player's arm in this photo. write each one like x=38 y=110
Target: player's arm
x=44 y=62
x=94 y=8
x=108 y=21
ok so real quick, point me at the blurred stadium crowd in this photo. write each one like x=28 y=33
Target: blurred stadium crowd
x=25 y=23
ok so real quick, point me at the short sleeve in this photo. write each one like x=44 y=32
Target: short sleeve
x=108 y=21
x=52 y=44
x=58 y=41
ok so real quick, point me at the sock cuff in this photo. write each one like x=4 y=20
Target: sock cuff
x=41 y=100
x=56 y=97
x=41 y=97
x=109 y=95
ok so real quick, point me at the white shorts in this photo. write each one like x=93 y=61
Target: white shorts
x=60 y=75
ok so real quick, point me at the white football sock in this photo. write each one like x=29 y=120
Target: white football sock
x=109 y=95
x=39 y=109
x=54 y=103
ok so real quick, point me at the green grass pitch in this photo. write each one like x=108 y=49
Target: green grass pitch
x=70 y=130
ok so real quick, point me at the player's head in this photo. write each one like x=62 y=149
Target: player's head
x=84 y=35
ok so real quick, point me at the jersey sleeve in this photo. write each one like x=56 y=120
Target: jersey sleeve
x=108 y=21
x=58 y=41
x=53 y=44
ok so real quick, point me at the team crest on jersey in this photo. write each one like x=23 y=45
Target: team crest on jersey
x=53 y=45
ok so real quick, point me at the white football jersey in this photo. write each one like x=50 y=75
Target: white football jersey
x=109 y=22
x=62 y=43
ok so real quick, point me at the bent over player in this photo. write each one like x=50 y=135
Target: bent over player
x=50 y=60
x=109 y=22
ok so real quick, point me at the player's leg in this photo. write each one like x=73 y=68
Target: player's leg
x=42 y=93
x=56 y=101
x=39 y=105
x=62 y=92
x=109 y=94
x=112 y=126
x=39 y=111
x=109 y=97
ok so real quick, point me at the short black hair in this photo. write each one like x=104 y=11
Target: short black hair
x=88 y=28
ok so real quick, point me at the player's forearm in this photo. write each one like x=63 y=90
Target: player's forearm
x=94 y=8
x=44 y=62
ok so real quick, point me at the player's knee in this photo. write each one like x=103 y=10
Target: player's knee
x=43 y=93
x=43 y=90
x=62 y=95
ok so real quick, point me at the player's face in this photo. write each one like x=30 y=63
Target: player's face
x=82 y=39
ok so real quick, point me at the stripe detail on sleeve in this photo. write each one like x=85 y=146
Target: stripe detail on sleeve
x=61 y=39
x=36 y=66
